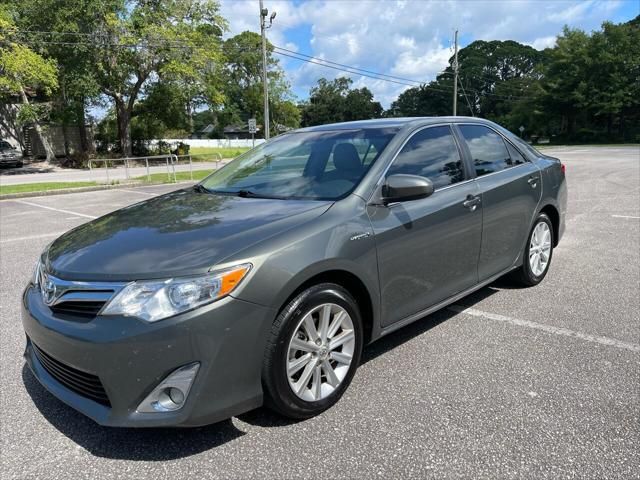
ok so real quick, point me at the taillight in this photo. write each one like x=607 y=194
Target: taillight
x=562 y=167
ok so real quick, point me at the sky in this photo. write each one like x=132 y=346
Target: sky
x=410 y=39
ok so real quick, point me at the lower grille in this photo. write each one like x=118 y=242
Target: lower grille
x=82 y=383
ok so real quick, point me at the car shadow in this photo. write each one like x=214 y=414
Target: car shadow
x=157 y=444
x=142 y=444
x=404 y=334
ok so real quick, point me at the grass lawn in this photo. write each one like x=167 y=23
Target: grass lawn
x=41 y=187
x=209 y=153
x=180 y=176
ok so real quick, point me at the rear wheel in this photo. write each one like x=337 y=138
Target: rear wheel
x=314 y=351
x=537 y=254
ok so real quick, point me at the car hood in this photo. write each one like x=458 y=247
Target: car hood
x=181 y=233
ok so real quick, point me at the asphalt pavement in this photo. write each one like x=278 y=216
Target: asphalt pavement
x=541 y=382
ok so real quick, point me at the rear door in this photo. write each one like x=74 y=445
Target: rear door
x=428 y=248
x=510 y=187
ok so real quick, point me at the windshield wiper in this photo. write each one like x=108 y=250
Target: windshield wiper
x=248 y=194
x=240 y=193
x=252 y=194
x=201 y=188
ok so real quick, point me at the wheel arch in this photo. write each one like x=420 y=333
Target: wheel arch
x=350 y=282
x=552 y=212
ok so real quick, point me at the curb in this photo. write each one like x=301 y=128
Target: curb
x=62 y=191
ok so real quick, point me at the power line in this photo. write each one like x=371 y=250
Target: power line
x=418 y=82
x=344 y=69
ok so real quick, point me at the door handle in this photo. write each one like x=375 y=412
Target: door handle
x=533 y=181
x=471 y=202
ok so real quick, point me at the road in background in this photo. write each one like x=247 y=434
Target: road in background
x=97 y=174
x=510 y=383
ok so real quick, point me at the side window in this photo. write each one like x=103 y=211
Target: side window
x=488 y=151
x=430 y=153
x=516 y=156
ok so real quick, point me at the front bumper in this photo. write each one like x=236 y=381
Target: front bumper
x=131 y=357
x=10 y=160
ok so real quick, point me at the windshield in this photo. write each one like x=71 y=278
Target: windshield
x=321 y=165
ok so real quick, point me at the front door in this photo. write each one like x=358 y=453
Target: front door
x=428 y=248
x=510 y=187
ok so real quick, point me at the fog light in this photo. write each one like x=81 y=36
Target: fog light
x=171 y=393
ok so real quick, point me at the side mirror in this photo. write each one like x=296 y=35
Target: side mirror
x=401 y=188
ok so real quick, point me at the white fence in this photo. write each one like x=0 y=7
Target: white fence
x=116 y=169
x=218 y=143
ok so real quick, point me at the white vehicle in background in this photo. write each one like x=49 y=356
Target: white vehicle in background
x=9 y=156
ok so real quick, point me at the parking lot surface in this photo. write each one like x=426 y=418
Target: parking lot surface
x=508 y=383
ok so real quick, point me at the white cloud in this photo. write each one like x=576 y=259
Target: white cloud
x=408 y=38
x=543 y=42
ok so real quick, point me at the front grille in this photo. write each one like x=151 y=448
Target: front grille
x=74 y=300
x=78 y=309
x=82 y=383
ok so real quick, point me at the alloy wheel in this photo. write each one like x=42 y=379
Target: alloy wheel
x=320 y=352
x=540 y=248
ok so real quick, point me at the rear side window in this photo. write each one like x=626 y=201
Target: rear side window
x=430 y=153
x=516 y=156
x=488 y=151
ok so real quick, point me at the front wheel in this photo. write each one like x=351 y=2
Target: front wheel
x=537 y=254
x=314 y=351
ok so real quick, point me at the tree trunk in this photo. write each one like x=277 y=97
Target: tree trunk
x=190 y=117
x=65 y=137
x=123 y=117
x=9 y=124
x=82 y=127
x=65 y=127
x=50 y=155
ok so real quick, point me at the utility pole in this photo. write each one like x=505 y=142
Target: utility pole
x=455 y=75
x=263 y=29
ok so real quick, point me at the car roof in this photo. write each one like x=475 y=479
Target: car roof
x=390 y=123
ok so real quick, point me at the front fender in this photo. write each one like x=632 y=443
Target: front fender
x=340 y=240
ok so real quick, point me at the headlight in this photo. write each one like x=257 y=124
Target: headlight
x=154 y=300
x=35 y=276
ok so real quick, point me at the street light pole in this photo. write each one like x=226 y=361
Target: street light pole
x=265 y=86
x=455 y=77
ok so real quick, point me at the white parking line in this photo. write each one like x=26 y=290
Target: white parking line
x=612 y=342
x=31 y=237
x=624 y=216
x=55 y=209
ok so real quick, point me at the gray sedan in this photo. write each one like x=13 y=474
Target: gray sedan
x=263 y=283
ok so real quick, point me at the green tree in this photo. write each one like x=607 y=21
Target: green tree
x=140 y=42
x=592 y=81
x=334 y=101
x=65 y=34
x=495 y=78
x=22 y=70
x=243 y=84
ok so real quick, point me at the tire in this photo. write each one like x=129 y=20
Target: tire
x=308 y=360
x=530 y=273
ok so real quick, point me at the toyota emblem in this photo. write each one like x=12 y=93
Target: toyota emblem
x=48 y=290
